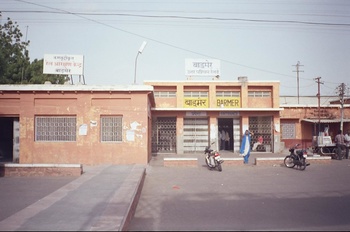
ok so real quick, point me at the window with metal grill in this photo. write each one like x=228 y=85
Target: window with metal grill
x=55 y=129
x=111 y=128
x=288 y=130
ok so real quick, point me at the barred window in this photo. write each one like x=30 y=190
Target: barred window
x=259 y=94
x=195 y=94
x=227 y=94
x=111 y=128
x=54 y=129
x=164 y=94
x=288 y=130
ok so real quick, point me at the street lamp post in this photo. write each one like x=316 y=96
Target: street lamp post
x=143 y=45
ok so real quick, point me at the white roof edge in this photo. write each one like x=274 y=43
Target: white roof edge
x=217 y=109
x=54 y=87
x=311 y=105
x=176 y=81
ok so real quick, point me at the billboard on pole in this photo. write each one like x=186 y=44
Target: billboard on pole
x=202 y=67
x=63 y=64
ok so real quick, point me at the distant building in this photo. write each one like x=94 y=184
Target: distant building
x=301 y=122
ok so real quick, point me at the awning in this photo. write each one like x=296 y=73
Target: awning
x=322 y=120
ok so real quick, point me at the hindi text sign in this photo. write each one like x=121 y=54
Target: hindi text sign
x=202 y=67
x=63 y=64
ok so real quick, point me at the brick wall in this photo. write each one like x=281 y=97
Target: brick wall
x=41 y=169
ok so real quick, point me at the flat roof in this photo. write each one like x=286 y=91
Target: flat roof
x=77 y=87
x=218 y=109
x=211 y=81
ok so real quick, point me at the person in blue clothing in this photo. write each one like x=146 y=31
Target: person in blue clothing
x=245 y=146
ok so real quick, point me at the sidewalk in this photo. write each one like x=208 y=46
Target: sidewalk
x=158 y=159
x=103 y=198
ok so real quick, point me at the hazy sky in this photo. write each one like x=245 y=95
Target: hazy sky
x=260 y=39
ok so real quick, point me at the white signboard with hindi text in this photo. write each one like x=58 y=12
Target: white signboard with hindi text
x=63 y=64
x=202 y=67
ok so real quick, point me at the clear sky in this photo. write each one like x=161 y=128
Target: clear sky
x=260 y=39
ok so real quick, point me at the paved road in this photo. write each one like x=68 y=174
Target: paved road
x=245 y=198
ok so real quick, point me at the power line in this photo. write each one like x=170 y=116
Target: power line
x=81 y=15
x=177 y=17
x=151 y=39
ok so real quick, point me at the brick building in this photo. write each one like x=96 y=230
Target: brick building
x=128 y=124
x=302 y=120
x=75 y=124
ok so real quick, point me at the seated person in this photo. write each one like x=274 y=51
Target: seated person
x=259 y=142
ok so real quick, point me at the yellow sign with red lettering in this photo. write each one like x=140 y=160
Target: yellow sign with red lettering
x=196 y=102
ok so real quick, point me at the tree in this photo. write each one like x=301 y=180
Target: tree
x=15 y=66
x=14 y=56
x=35 y=75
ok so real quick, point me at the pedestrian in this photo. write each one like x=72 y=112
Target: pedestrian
x=347 y=143
x=245 y=146
x=259 y=142
x=340 y=143
x=223 y=135
x=227 y=141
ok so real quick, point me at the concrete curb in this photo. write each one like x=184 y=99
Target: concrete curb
x=122 y=206
x=259 y=161
x=183 y=162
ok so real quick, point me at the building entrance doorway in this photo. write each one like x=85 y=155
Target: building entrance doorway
x=225 y=132
x=230 y=128
x=9 y=139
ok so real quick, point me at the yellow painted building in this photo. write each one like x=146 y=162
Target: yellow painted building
x=189 y=115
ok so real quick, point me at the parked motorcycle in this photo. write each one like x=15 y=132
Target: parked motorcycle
x=296 y=158
x=213 y=158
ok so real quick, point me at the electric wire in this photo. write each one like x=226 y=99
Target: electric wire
x=83 y=16
x=182 y=17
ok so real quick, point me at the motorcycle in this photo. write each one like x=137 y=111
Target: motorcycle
x=213 y=158
x=296 y=158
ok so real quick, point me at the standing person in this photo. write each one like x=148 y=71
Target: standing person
x=339 y=141
x=227 y=140
x=245 y=146
x=347 y=143
x=223 y=135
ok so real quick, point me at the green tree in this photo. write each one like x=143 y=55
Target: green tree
x=15 y=67
x=14 y=56
x=35 y=75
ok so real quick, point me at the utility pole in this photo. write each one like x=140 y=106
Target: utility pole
x=297 y=67
x=341 y=100
x=23 y=54
x=319 y=102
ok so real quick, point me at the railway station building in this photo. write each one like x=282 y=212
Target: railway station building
x=129 y=124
